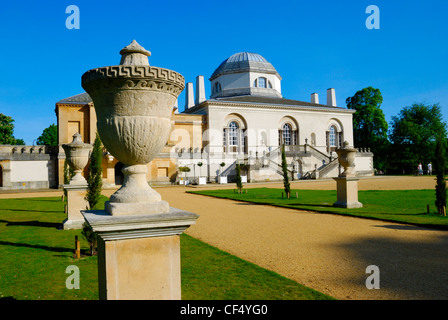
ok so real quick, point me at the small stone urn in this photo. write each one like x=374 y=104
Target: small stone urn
x=346 y=158
x=134 y=106
x=347 y=182
x=77 y=155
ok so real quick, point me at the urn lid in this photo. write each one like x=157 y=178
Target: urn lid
x=77 y=142
x=134 y=54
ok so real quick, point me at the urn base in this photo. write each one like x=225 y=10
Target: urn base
x=133 y=208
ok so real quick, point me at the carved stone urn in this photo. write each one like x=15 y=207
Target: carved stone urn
x=346 y=158
x=134 y=106
x=77 y=155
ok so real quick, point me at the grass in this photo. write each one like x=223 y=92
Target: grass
x=404 y=206
x=34 y=255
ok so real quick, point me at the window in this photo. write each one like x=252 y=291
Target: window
x=262 y=82
x=233 y=134
x=287 y=134
x=332 y=137
x=216 y=87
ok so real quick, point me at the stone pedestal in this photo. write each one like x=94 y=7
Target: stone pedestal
x=75 y=204
x=139 y=255
x=347 y=192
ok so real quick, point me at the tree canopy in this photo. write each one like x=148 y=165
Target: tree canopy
x=49 y=136
x=7 y=131
x=413 y=135
x=369 y=123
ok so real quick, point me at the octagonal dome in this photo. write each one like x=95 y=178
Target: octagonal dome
x=244 y=62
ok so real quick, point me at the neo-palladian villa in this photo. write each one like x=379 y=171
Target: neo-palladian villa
x=245 y=121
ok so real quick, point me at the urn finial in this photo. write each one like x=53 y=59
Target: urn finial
x=134 y=54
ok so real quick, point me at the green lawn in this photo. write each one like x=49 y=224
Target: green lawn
x=405 y=206
x=34 y=255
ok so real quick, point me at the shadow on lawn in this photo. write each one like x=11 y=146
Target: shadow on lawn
x=34 y=223
x=35 y=246
x=32 y=210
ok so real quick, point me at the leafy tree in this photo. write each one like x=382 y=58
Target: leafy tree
x=440 y=168
x=94 y=180
x=7 y=131
x=285 y=174
x=239 y=183
x=413 y=136
x=369 y=123
x=49 y=136
x=184 y=169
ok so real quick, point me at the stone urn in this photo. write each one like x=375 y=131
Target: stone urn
x=77 y=154
x=134 y=104
x=346 y=158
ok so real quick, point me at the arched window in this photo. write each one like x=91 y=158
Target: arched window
x=334 y=138
x=234 y=137
x=287 y=135
x=233 y=134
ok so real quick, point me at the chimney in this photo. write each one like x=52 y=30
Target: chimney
x=331 y=97
x=200 y=90
x=315 y=98
x=189 y=96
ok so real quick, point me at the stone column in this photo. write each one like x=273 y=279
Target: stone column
x=139 y=255
x=347 y=182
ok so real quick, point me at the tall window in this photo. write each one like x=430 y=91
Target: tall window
x=233 y=133
x=287 y=136
x=262 y=82
x=216 y=87
x=332 y=137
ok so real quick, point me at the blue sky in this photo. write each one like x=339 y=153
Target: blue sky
x=314 y=45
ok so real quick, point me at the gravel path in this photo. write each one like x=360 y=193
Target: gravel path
x=326 y=252
x=329 y=253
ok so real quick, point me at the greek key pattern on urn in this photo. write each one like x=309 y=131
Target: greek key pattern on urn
x=138 y=77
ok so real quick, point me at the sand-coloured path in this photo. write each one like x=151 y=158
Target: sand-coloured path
x=326 y=252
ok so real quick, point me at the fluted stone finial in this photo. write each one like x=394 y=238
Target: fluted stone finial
x=134 y=54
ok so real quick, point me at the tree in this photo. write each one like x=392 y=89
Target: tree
x=68 y=172
x=239 y=184
x=285 y=174
x=91 y=237
x=49 y=136
x=440 y=168
x=413 y=136
x=94 y=179
x=369 y=123
x=184 y=169
x=7 y=131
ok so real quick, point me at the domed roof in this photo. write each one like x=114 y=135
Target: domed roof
x=244 y=62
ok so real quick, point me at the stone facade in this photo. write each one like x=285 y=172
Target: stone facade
x=27 y=167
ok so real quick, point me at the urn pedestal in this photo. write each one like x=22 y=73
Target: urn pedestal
x=77 y=156
x=138 y=232
x=347 y=182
